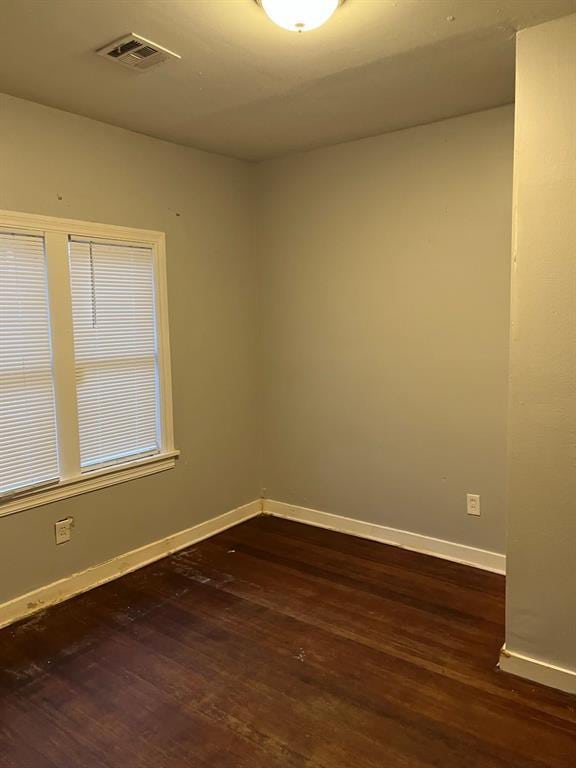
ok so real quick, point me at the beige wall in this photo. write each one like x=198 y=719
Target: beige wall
x=379 y=288
x=385 y=315
x=110 y=175
x=541 y=608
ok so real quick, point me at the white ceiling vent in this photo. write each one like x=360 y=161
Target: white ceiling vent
x=136 y=52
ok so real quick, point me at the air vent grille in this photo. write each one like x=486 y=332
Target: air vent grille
x=136 y=52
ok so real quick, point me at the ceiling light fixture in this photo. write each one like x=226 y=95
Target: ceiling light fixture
x=299 y=15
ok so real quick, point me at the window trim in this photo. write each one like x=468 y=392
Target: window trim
x=72 y=480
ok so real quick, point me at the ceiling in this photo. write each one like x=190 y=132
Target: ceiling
x=249 y=89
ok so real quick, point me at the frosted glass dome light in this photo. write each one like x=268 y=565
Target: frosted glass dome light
x=299 y=15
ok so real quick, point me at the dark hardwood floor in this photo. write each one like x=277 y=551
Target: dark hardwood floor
x=276 y=645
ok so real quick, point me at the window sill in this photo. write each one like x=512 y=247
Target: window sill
x=92 y=481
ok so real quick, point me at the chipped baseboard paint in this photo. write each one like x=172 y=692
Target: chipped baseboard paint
x=447 y=550
x=537 y=671
x=512 y=663
x=58 y=591
x=39 y=599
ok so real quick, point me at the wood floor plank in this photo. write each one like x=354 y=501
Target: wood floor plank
x=278 y=645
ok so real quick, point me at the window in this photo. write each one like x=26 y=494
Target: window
x=28 y=454
x=115 y=351
x=85 y=391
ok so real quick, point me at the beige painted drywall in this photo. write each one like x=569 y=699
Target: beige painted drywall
x=203 y=203
x=541 y=602
x=385 y=266
x=378 y=291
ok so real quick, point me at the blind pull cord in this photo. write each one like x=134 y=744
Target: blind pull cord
x=93 y=288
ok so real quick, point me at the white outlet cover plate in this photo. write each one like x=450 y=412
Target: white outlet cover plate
x=473 y=504
x=63 y=530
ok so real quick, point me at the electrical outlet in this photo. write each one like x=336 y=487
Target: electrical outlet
x=63 y=530
x=473 y=504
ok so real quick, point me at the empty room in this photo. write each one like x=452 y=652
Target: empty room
x=287 y=383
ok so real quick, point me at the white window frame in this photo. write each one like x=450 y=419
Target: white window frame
x=73 y=481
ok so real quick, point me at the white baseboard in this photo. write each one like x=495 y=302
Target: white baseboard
x=43 y=597
x=58 y=591
x=538 y=671
x=447 y=550
x=513 y=663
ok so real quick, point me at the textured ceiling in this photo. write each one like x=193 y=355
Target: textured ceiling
x=249 y=89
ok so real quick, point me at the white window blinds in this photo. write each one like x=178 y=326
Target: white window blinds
x=115 y=351
x=28 y=444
